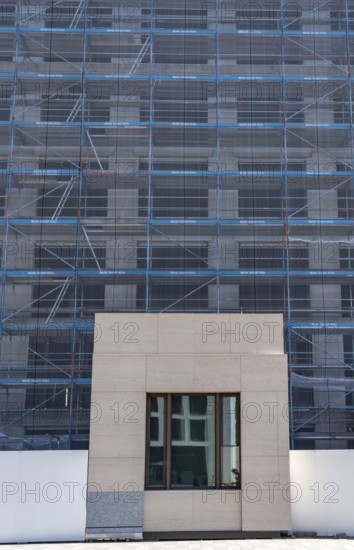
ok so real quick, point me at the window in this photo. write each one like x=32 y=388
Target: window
x=95 y=202
x=260 y=257
x=250 y=17
x=193 y=441
x=257 y=202
x=2 y=199
x=171 y=202
x=64 y=256
x=175 y=17
x=179 y=203
x=176 y=110
x=174 y=257
x=7 y=15
x=261 y=111
x=345 y=204
x=261 y=297
x=49 y=359
x=62 y=109
x=346 y=256
x=300 y=299
x=51 y=204
x=58 y=299
x=68 y=15
x=304 y=397
x=52 y=299
x=347 y=293
x=188 y=50
x=301 y=349
x=99 y=110
x=5 y=105
x=297 y=197
x=181 y=296
x=299 y=257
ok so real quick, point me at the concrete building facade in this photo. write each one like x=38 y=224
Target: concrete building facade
x=174 y=157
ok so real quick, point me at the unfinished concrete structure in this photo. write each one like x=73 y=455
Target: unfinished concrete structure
x=163 y=156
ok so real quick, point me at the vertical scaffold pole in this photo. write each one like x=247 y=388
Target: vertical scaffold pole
x=150 y=164
x=78 y=226
x=10 y=171
x=218 y=160
x=285 y=206
x=350 y=95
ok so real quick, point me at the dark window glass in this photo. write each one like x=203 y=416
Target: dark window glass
x=261 y=257
x=260 y=203
x=184 y=449
x=155 y=473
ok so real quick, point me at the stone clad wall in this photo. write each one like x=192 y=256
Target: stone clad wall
x=136 y=354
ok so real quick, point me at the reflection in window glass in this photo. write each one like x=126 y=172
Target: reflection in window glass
x=193 y=441
x=230 y=451
x=157 y=440
x=193 y=451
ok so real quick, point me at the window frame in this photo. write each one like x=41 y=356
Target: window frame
x=167 y=441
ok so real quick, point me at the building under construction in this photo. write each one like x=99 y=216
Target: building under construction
x=164 y=156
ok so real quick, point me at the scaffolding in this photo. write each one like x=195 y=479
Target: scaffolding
x=174 y=156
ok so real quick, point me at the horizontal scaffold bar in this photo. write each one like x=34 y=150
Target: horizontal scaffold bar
x=23 y=169
x=175 y=125
x=88 y=273
x=157 y=76
x=279 y=222
x=44 y=381
x=194 y=32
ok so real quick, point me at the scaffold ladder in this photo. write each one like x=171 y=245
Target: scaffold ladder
x=74 y=23
x=140 y=57
x=63 y=199
x=75 y=110
x=58 y=300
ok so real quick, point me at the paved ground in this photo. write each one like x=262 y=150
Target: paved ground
x=279 y=544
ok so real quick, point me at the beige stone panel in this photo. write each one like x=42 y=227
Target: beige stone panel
x=113 y=474
x=168 y=511
x=283 y=424
x=175 y=333
x=264 y=423
x=169 y=373
x=284 y=470
x=259 y=424
x=265 y=469
x=260 y=440
x=264 y=372
x=265 y=510
x=118 y=373
x=216 y=510
x=260 y=469
x=224 y=333
x=259 y=406
x=118 y=429
x=249 y=332
x=213 y=373
x=117 y=408
x=272 y=341
x=258 y=334
x=125 y=333
x=209 y=333
x=118 y=440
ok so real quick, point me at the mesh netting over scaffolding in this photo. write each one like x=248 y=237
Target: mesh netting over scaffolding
x=174 y=156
